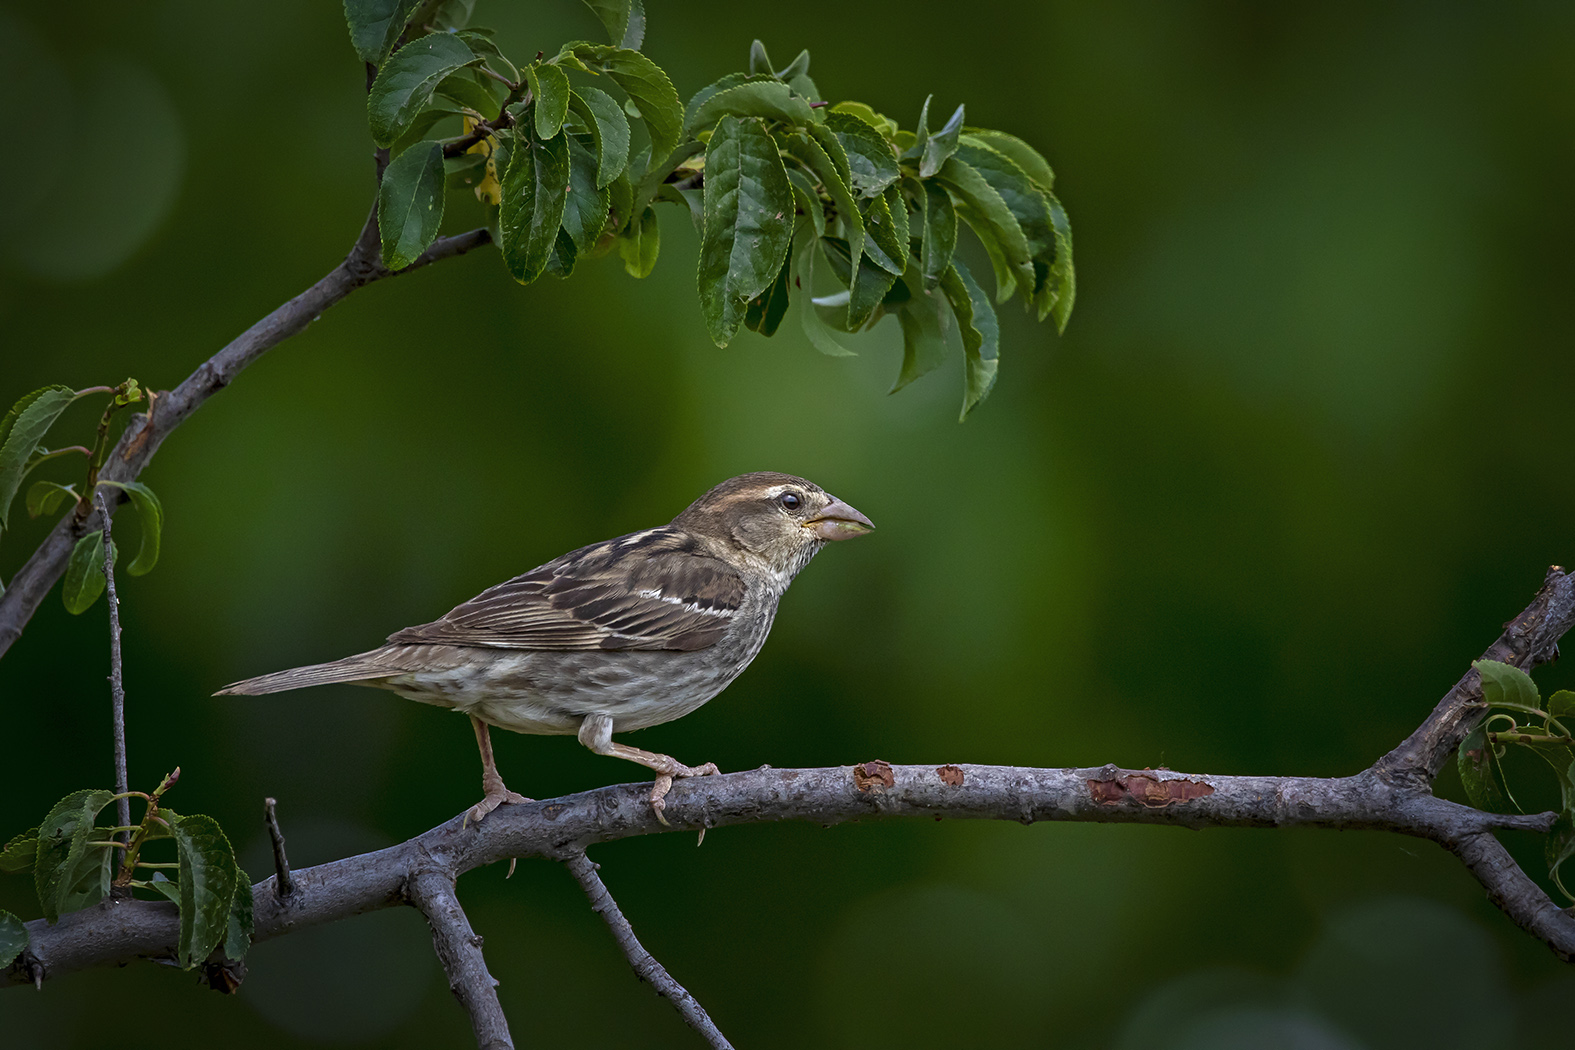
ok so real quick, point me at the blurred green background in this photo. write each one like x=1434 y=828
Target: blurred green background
x=1303 y=449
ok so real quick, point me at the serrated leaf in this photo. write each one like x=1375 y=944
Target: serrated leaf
x=748 y=222
x=807 y=201
x=923 y=337
x=150 y=512
x=534 y=197
x=940 y=233
x=921 y=132
x=815 y=330
x=23 y=427
x=84 y=580
x=797 y=68
x=768 y=99
x=639 y=243
x=1028 y=203
x=897 y=206
x=452 y=14
x=883 y=125
x=407 y=81
x=410 y=204
x=1474 y=761
x=759 y=61
x=585 y=210
x=767 y=309
x=699 y=98
x=623 y=19
x=823 y=167
x=480 y=41
x=550 y=87
x=1026 y=157
x=168 y=887
x=882 y=244
x=1504 y=685
x=375 y=25
x=1561 y=705
x=13 y=938
x=1063 y=276
x=980 y=331
x=604 y=119
x=646 y=85
x=44 y=497
x=18 y=855
x=241 y=924
x=461 y=87
x=209 y=877
x=941 y=145
x=65 y=869
x=872 y=161
x=981 y=206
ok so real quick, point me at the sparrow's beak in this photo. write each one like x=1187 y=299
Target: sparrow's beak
x=838 y=521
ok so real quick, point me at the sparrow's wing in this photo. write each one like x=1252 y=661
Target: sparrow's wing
x=657 y=589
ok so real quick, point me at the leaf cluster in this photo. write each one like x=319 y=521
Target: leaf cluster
x=1517 y=716
x=22 y=432
x=72 y=859
x=573 y=152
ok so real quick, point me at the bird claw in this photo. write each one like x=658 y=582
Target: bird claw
x=492 y=801
x=664 y=784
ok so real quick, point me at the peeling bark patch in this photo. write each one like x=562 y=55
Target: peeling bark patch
x=1147 y=790
x=951 y=776
x=874 y=775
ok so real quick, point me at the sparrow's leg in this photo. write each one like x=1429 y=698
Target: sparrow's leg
x=596 y=734
x=494 y=794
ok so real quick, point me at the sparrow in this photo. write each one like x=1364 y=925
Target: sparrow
x=617 y=636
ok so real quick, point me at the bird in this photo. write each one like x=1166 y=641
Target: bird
x=616 y=636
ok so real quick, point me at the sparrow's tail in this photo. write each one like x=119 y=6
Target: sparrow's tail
x=360 y=668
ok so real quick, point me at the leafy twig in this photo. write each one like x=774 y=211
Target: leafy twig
x=117 y=686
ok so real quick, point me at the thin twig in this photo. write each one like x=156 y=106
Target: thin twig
x=283 y=884
x=117 y=685
x=645 y=965
x=459 y=950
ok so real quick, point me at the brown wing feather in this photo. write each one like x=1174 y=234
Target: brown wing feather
x=657 y=589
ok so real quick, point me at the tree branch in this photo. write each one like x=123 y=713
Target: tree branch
x=117 y=685
x=645 y=966
x=459 y=950
x=147 y=431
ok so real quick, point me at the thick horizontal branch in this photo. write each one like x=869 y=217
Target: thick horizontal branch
x=117 y=932
x=147 y=432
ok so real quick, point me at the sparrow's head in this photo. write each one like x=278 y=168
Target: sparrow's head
x=778 y=518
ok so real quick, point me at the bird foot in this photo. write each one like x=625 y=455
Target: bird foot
x=492 y=800
x=664 y=783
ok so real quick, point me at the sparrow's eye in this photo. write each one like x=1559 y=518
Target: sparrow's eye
x=789 y=500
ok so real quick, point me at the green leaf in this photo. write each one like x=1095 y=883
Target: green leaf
x=921 y=131
x=1027 y=203
x=1024 y=155
x=897 y=206
x=805 y=197
x=981 y=206
x=208 y=880
x=452 y=14
x=410 y=204
x=13 y=938
x=980 y=331
x=407 y=80
x=638 y=245
x=884 y=245
x=870 y=287
x=883 y=125
x=823 y=166
x=1474 y=763
x=604 y=119
x=163 y=884
x=940 y=233
x=1562 y=704
x=700 y=97
x=43 y=497
x=18 y=855
x=375 y=25
x=923 y=337
x=872 y=160
x=85 y=573
x=815 y=330
x=645 y=83
x=65 y=869
x=624 y=19
x=463 y=87
x=151 y=513
x=23 y=427
x=1506 y=686
x=534 y=197
x=767 y=309
x=585 y=210
x=1063 y=277
x=941 y=145
x=241 y=924
x=748 y=222
x=767 y=99
x=796 y=73
x=480 y=41
x=550 y=86
x=759 y=61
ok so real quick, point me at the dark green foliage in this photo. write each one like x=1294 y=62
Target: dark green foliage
x=577 y=182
